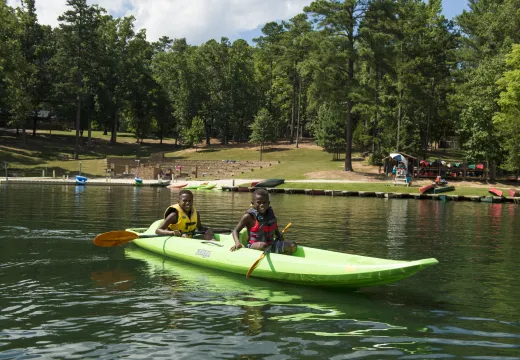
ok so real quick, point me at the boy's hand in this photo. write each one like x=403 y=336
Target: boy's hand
x=237 y=246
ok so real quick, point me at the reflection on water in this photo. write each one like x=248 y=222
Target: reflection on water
x=397 y=228
x=64 y=298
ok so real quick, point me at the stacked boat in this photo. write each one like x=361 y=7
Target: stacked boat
x=435 y=189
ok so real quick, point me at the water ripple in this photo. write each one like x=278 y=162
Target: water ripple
x=62 y=297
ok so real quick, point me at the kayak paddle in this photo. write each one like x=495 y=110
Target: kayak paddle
x=121 y=237
x=266 y=251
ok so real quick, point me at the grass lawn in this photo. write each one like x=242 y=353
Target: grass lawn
x=44 y=151
x=294 y=163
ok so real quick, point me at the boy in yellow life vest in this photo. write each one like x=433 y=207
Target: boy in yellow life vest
x=182 y=219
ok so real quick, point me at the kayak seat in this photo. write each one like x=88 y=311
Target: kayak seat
x=243 y=236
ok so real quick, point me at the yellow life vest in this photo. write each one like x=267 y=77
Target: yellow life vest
x=184 y=223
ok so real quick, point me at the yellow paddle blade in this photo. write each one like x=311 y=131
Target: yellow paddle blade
x=286 y=227
x=114 y=238
x=255 y=264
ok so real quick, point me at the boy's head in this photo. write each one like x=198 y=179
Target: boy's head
x=186 y=200
x=260 y=200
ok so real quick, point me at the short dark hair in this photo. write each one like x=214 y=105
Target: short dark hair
x=185 y=191
x=261 y=192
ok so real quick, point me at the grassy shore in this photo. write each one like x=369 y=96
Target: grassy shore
x=46 y=151
x=294 y=163
x=307 y=162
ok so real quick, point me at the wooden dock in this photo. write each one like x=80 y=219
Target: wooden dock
x=312 y=192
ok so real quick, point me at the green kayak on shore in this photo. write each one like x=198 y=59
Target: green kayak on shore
x=203 y=186
x=308 y=266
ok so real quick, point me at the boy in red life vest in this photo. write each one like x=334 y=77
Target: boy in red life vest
x=262 y=227
x=183 y=219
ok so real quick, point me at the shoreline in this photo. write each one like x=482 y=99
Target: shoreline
x=231 y=185
x=116 y=182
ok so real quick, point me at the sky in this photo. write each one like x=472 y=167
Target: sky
x=200 y=20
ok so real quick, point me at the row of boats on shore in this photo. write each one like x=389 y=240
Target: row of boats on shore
x=436 y=187
x=82 y=180
x=512 y=192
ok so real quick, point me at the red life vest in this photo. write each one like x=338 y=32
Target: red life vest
x=264 y=228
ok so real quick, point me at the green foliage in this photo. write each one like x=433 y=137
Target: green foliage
x=329 y=130
x=14 y=68
x=194 y=134
x=113 y=87
x=507 y=121
x=477 y=130
x=263 y=129
x=375 y=159
x=379 y=75
x=491 y=27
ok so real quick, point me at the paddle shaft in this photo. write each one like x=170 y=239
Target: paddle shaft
x=264 y=253
x=196 y=232
x=117 y=238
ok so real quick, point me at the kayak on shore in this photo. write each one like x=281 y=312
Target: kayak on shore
x=203 y=186
x=308 y=266
x=269 y=183
x=81 y=180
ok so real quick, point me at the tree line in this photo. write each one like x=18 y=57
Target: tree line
x=377 y=75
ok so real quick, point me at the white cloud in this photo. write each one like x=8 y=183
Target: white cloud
x=196 y=20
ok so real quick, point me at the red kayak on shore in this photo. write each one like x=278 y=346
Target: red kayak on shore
x=427 y=188
x=496 y=192
x=514 y=192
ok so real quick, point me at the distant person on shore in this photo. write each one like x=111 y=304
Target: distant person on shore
x=394 y=171
x=262 y=227
x=182 y=219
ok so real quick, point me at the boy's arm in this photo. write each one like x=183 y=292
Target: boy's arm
x=245 y=222
x=163 y=228
x=278 y=236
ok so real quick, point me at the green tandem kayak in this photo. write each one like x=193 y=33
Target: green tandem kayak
x=308 y=266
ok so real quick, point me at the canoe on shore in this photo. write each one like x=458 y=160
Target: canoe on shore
x=443 y=189
x=195 y=186
x=427 y=189
x=160 y=183
x=177 y=186
x=491 y=199
x=269 y=183
x=308 y=266
x=207 y=186
x=514 y=192
x=495 y=192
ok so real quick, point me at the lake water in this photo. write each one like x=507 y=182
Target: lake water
x=62 y=297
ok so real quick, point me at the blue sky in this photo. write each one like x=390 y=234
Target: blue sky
x=199 y=20
x=451 y=8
